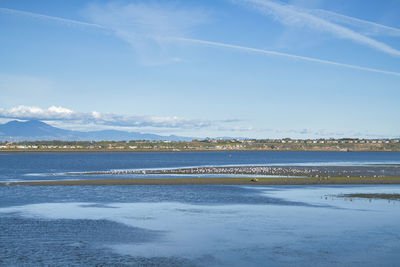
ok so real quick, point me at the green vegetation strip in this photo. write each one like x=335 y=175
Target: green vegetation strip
x=216 y=181
x=287 y=144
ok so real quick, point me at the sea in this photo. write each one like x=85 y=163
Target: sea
x=193 y=225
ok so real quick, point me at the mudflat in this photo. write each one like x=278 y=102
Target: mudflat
x=215 y=181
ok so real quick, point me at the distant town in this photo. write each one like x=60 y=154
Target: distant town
x=286 y=144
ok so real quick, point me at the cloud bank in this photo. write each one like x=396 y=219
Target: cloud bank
x=55 y=113
x=61 y=116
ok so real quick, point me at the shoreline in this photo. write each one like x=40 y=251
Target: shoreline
x=214 y=181
x=187 y=150
x=372 y=196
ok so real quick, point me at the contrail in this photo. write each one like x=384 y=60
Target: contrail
x=62 y=20
x=374 y=27
x=209 y=43
x=293 y=16
x=275 y=53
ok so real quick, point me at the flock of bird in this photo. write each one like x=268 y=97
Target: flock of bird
x=302 y=171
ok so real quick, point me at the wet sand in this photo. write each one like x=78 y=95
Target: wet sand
x=373 y=196
x=215 y=181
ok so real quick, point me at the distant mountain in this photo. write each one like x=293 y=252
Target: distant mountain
x=38 y=130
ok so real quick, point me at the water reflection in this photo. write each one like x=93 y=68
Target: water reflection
x=200 y=226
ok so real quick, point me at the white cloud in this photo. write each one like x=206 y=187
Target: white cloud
x=297 y=17
x=67 y=118
x=60 y=110
x=27 y=112
x=62 y=114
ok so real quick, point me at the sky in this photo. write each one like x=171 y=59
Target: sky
x=211 y=68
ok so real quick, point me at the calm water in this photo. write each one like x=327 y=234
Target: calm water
x=193 y=225
x=197 y=226
x=37 y=166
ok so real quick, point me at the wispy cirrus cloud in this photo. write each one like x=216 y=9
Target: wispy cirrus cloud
x=143 y=25
x=151 y=28
x=290 y=15
x=62 y=114
x=365 y=27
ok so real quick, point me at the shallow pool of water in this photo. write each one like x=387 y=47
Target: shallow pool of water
x=198 y=226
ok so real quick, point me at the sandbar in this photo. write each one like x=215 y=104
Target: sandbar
x=214 y=181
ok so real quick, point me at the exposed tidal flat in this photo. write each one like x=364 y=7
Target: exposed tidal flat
x=214 y=181
x=373 y=196
x=378 y=170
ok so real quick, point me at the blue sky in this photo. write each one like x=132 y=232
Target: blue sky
x=240 y=68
